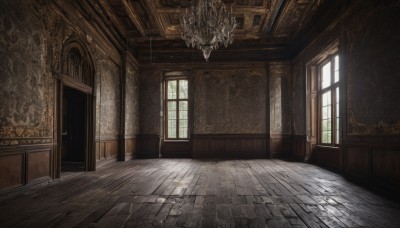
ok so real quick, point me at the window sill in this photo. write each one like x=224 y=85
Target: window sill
x=176 y=140
x=327 y=147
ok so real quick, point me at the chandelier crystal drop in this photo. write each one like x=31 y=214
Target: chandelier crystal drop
x=207 y=26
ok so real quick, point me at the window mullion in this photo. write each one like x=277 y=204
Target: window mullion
x=177 y=109
x=333 y=99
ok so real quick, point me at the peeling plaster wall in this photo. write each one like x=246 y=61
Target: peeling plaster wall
x=280 y=97
x=230 y=101
x=132 y=101
x=109 y=74
x=26 y=91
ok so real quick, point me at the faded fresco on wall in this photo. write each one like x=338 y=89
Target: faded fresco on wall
x=150 y=104
x=280 y=98
x=230 y=101
x=110 y=98
x=26 y=91
x=374 y=71
x=132 y=101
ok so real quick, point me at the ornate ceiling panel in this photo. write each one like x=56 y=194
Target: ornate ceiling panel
x=263 y=23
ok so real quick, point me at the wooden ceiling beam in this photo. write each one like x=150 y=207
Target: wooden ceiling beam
x=134 y=16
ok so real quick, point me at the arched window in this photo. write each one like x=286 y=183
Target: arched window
x=74 y=64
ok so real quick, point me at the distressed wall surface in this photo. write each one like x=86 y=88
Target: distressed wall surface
x=32 y=36
x=110 y=98
x=132 y=101
x=373 y=70
x=150 y=104
x=280 y=97
x=26 y=91
x=230 y=101
x=298 y=102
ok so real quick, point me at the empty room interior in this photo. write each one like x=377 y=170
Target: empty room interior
x=199 y=113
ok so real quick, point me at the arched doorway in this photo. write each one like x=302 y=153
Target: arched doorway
x=75 y=148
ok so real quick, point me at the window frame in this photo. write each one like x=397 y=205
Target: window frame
x=177 y=100
x=335 y=138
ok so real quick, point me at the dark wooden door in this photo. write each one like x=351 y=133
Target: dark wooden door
x=74 y=126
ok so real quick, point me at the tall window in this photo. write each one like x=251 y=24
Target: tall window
x=177 y=108
x=329 y=97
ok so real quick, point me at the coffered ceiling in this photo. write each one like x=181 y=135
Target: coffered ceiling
x=267 y=29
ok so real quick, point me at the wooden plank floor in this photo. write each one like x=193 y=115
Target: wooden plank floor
x=200 y=193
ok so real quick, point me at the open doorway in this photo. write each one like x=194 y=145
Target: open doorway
x=74 y=132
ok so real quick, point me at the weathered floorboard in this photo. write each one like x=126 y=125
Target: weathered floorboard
x=200 y=193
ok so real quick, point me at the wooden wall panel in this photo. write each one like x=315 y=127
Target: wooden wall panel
x=25 y=164
x=107 y=151
x=386 y=165
x=327 y=156
x=148 y=146
x=299 y=148
x=230 y=146
x=38 y=165
x=130 y=148
x=357 y=160
x=11 y=170
x=112 y=149
x=280 y=145
x=171 y=149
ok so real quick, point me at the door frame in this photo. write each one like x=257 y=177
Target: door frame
x=90 y=105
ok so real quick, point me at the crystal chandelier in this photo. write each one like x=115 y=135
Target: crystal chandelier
x=207 y=26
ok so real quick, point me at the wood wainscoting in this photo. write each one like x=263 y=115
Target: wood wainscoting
x=176 y=149
x=130 y=147
x=299 y=148
x=148 y=146
x=280 y=145
x=375 y=160
x=25 y=164
x=327 y=156
x=107 y=149
x=230 y=146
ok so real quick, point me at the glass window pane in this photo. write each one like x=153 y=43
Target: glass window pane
x=337 y=63
x=171 y=128
x=325 y=137
x=326 y=99
x=337 y=130
x=183 y=115
x=183 y=105
x=326 y=75
x=324 y=113
x=171 y=106
x=171 y=90
x=336 y=76
x=183 y=89
x=337 y=136
x=329 y=125
x=172 y=115
x=337 y=95
x=329 y=137
x=183 y=128
x=336 y=68
x=324 y=125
